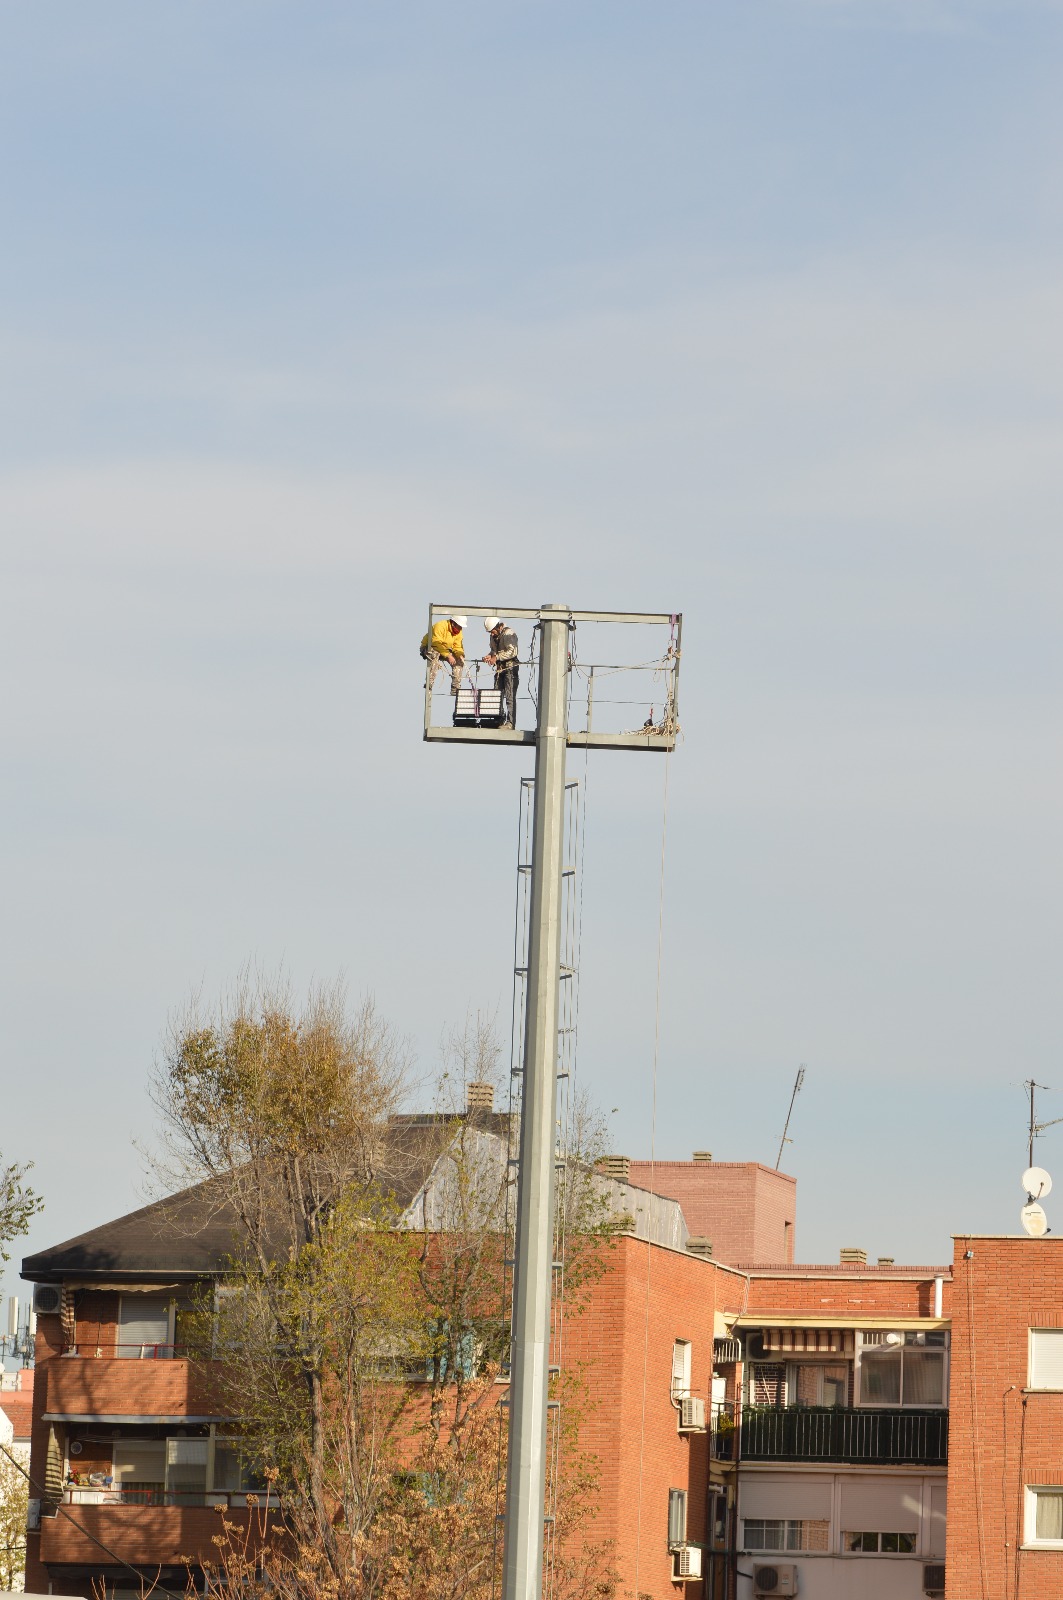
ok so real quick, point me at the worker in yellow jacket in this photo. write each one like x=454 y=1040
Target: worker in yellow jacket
x=445 y=643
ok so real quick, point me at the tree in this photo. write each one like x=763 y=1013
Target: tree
x=18 y=1204
x=14 y=1506
x=335 y=1298
x=283 y=1113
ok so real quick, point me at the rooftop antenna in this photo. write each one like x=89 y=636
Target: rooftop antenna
x=1037 y=1128
x=1035 y=1180
x=785 y=1140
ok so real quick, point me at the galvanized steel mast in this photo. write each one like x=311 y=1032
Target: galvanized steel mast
x=533 y=1276
x=534 y=1264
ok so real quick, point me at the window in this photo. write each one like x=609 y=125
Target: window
x=677 y=1518
x=186 y=1470
x=681 y=1368
x=1046 y=1358
x=143 y=1326
x=819 y=1383
x=1044 y=1515
x=903 y=1369
x=879 y=1544
x=140 y=1469
x=785 y=1533
x=232 y=1470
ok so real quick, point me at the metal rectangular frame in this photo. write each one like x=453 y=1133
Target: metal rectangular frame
x=526 y=736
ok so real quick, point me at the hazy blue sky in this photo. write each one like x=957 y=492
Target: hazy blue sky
x=311 y=314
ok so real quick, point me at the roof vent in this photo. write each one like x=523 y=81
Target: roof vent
x=852 y=1256
x=699 y=1246
x=702 y=1155
x=479 y=1097
x=887 y=1261
x=618 y=1167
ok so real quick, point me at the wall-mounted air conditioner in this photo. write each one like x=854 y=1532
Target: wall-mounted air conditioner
x=692 y=1415
x=934 y=1578
x=688 y=1562
x=47 y=1299
x=778 y=1578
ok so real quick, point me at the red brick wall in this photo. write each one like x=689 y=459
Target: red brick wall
x=622 y=1345
x=139 y=1534
x=1001 y=1438
x=113 y=1387
x=740 y=1205
x=850 y=1292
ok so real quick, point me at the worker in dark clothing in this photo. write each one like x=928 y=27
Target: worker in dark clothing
x=503 y=658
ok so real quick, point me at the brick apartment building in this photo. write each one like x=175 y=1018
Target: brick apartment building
x=1005 y=1531
x=756 y=1421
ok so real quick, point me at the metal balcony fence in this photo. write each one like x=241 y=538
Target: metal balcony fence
x=119 y=1495
x=724 y=1431
x=845 y=1433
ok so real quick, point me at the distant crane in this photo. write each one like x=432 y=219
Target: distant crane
x=785 y=1140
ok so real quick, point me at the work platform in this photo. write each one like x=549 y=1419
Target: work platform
x=651 y=686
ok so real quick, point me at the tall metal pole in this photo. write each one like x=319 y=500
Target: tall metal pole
x=533 y=1268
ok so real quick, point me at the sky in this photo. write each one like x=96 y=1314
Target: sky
x=746 y=309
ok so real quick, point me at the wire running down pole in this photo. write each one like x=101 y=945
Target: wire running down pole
x=533 y=1270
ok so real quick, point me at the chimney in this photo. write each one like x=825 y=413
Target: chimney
x=702 y=1155
x=852 y=1256
x=698 y=1245
x=618 y=1167
x=479 y=1097
x=887 y=1261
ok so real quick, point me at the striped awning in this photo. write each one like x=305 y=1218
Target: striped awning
x=825 y=1341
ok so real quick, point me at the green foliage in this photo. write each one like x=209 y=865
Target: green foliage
x=18 y=1204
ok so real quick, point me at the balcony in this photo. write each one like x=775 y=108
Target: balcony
x=88 y=1383
x=846 y=1434
x=152 y=1535
x=723 y=1432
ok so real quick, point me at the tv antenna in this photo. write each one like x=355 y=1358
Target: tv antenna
x=1037 y=1128
x=785 y=1140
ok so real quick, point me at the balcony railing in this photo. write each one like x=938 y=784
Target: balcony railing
x=109 y=1350
x=844 y=1433
x=236 y=1499
x=724 y=1431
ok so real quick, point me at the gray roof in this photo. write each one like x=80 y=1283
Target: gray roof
x=192 y=1234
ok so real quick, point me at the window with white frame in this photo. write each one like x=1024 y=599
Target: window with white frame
x=1046 y=1358
x=879 y=1544
x=785 y=1533
x=677 y=1518
x=903 y=1369
x=1044 y=1515
x=681 y=1369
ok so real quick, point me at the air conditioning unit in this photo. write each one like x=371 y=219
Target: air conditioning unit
x=779 y=1578
x=688 y=1562
x=691 y=1415
x=47 y=1299
x=934 y=1578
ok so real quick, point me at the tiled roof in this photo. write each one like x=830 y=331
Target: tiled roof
x=192 y=1233
x=17 y=1407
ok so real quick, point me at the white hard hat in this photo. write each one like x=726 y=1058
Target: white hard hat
x=491 y=623
x=462 y=622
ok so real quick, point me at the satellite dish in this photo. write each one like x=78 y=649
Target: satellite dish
x=1034 y=1220
x=1036 y=1182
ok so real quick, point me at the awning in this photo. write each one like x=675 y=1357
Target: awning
x=822 y=1341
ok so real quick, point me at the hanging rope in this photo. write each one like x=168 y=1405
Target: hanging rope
x=653 y=1158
